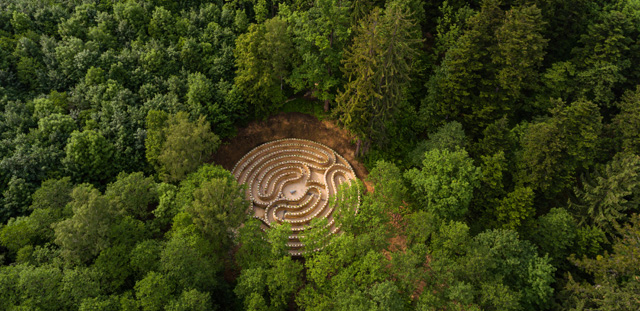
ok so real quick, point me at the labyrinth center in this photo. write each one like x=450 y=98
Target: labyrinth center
x=291 y=180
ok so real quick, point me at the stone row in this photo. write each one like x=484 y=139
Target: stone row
x=260 y=150
x=267 y=168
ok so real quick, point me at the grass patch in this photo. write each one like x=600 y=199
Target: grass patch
x=312 y=107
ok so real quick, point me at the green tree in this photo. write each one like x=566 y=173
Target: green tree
x=463 y=87
x=626 y=124
x=218 y=208
x=112 y=265
x=610 y=193
x=191 y=300
x=555 y=149
x=199 y=94
x=86 y=233
x=277 y=282
x=17 y=233
x=162 y=24
x=615 y=283
x=153 y=292
x=555 y=234
x=445 y=183
x=521 y=49
x=132 y=194
x=493 y=188
x=79 y=284
x=339 y=279
x=449 y=136
x=320 y=36
x=55 y=129
x=263 y=58
x=156 y=122
x=16 y=198
x=477 y=82
x=190 y=261
x=187 y=146
x=507 y=272
x=49 y=205
x=39 y=288
x=378 y=69
x=516 y=209
x=145 y=257
x=89 y=156
x=251 y=239
x=602 y=56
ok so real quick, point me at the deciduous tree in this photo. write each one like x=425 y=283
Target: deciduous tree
x=263 y=58
x=89 y=156
x=444 y=185
x=187 y=145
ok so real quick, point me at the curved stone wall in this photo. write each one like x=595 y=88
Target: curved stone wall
x=291 y=180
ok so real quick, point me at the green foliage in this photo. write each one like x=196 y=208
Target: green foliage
x=206 y=172
x=521 y=49
x=133 y=194
x=55 y=129
x=113 y=267
x=263 y=57
x=79 y=284
x=186 y=146
x=156 y=122
x=459 y=83
x=626 y=124
x=509 y=272
x=17 y=233
x=516 y=208
x=601 y=55
x=191 y=300
x=305 y=106
x=16 y=198
x=555 y=235
x=276 y=283
x=346 y=288
x=145 y=257
x=85 y=234
x=190 y=261
x=153 y=292
x=615 y=283
x=554 y=149
x=542 y=94
x=252 y=244
x=218 y=208
x=199 y=93
x=378 y=68
x=38 y=288
x=449 y=136
x=89 y=156
x=494 y=176
x=478 y=82
x=444 y=185
x=320 y=36
x=610 y=193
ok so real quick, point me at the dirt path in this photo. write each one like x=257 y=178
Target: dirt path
x=288 y=125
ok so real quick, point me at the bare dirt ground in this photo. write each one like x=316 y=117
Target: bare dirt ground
x=289 y=125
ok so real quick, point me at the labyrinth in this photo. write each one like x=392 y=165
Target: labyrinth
x=292 y=180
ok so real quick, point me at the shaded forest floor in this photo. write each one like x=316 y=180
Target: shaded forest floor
x=289 y=125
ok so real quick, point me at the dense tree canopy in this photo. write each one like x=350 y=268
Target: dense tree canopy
x=501 y=137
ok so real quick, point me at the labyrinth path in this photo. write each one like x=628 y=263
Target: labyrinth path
x=291 y=180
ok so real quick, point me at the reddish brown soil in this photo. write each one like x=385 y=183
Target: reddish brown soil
x=289 y=125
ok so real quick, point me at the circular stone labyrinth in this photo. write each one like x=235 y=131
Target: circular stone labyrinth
x=291 y=180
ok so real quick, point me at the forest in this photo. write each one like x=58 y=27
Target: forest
x=501 y=137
